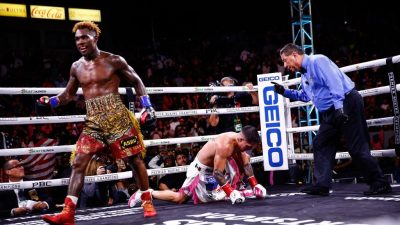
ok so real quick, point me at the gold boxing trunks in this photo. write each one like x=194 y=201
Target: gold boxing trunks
x=109 y=124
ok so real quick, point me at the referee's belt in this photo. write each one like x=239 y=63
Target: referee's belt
x=349 y=92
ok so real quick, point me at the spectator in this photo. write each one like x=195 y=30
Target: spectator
x=158 y=160
x=195 y=148
x=174 y=181
x=181 y=129
x=97 y=194
x=20 y=202
x=229 y=122
x=196 y=130
x=63 y=170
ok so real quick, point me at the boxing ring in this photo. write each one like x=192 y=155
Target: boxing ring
x=284 y=205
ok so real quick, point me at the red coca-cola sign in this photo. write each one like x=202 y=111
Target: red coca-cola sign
x=47 y=12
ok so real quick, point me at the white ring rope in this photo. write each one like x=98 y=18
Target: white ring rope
x=163 y=90
x=68 y=148
x=351 y=68
x=160 y=171
x=160 y=114
x=149 y=90
x=169 y=114
x=167 y=141
x=205 y=89
x=370 y=123
x=166 y=114
x=364 y=93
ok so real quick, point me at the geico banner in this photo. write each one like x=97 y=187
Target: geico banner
x=272 y=121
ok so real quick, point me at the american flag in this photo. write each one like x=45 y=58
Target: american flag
x=6 y=141
x=40 y=166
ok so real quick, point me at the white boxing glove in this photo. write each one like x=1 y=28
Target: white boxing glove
x=259 y=191
x=236 y=197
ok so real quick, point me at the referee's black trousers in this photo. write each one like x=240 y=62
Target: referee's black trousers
x=356 y=136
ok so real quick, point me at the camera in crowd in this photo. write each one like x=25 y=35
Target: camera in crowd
x=215 y=83
x=223 y=100
x=109 y=164
x=111 y=167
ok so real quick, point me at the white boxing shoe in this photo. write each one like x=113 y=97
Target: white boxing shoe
x=135 y=199
x=218 y=194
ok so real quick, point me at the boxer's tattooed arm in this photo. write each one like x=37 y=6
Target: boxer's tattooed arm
x=248 y=170
x=219 y=176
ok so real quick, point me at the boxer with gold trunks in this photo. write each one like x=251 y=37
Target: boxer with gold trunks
x=109 y=125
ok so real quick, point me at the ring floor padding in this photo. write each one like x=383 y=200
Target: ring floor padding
x=285 y=205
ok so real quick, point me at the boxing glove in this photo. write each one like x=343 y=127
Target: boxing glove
x=234 y=195
x=46 y=100
x=278 y=88
x=148 y=114
x=258 y=190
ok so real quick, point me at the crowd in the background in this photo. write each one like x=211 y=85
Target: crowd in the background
x=167 y=66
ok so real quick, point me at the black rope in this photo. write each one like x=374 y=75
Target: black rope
x=396 y=111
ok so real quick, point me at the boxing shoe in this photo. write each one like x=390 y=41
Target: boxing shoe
x=147 y=204
x=218 y=194
x=379 y=188
x=65 y=217
x=316 y=190
x=135 y=199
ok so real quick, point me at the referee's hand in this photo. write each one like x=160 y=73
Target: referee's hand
x=278 y=88
x=341 y=117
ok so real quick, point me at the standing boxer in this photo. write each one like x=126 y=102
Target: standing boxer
x=109 y=124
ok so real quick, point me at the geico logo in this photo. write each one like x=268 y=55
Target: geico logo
x=262 y=79
x=41 y=184
x=275 y=154
x=272 y=125
x=270 y=97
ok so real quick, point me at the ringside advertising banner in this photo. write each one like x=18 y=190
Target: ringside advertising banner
x=272 y=121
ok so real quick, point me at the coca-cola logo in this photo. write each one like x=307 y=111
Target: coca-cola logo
x=47 y=12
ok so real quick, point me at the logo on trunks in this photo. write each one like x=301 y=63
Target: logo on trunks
x=197 y=167
x=129 y=142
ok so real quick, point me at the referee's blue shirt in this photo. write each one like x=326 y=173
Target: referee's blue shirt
x=323 y=83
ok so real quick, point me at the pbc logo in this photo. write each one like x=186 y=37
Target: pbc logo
x=64 y=181
x=213 y=110
x=130 y=142
x=41 y=184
